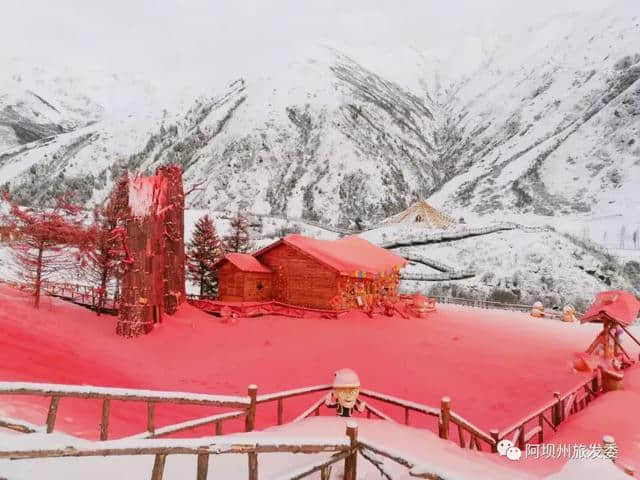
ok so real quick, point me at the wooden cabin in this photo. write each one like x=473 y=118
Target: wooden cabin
x=242 y=278
x=331 y=274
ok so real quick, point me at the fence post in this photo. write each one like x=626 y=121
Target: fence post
x=557 y=410
x=495 y=434
x=445 y=407
x=280 y=411
x=51 y=415
x=203 y=466
x=151 y=408
x=104 y=426
x=521 y=438
x=350 y=463
x=158 y=467
x=253 y=466
x=250 y=420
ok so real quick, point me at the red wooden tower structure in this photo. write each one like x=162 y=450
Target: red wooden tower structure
x=153 y=238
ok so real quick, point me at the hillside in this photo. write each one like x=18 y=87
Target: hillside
x=549 y=124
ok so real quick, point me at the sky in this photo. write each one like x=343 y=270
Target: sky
x=161 y=35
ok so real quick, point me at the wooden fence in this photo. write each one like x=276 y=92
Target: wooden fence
x=84 y=295
x=552 y=413
x=488 y=304
x=450 y=425
x=150 y=397
x=342 y=449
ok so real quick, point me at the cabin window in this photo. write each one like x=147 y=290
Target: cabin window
x=259 y=285
x=418 y=218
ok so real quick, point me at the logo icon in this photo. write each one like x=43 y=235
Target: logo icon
x=506 y=448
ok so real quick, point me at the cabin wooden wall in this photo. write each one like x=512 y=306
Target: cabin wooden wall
x=230 y=283
x=235 y=285
x=299 y=279
x=257 y=287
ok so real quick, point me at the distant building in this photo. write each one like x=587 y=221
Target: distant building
x=422 y=214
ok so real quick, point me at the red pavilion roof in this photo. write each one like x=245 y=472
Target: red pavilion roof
x=617 y=305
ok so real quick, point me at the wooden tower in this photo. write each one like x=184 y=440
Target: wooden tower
x=154 y=280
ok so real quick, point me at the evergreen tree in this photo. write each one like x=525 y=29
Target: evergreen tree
x=238 y=240
x=204 y=250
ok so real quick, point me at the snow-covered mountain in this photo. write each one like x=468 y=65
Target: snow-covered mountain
x=550 y=124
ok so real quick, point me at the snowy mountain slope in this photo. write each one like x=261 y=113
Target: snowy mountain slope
x=550 y=123
x=514 y=266
x=36 y=107
x=300 y=140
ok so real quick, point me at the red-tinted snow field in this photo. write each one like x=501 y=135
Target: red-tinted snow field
x=495 y=365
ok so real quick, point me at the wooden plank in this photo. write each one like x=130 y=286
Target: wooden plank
x=76 y=391
x=461 y=436
x=151 y=409
x=458 y=420
x=203 y=466
x=531 y=433
x=378 y=413
x=477 y=442
x=19 y=425
x=541 y=425
x=417 y=407
x=104 y=425
x=269 y=397
x=351 y=462
x=158 y=467
x=548 y=422
x=250 y=420
x=568 y=405
x=51 y=415
x=174 y=446
x=309 y=410
x=445 y=407
x=516 y=434
x=253 y=466
x=190 y=424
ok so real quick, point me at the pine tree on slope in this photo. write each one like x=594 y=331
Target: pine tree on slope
x=204 y=250
x=238 y=240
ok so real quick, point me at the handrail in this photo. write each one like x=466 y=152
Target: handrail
x=189 y=424
x=557 y=406
x=270 y=397
x=77 y=391
x=462 y=422
x=241 y=444
x=418 y=407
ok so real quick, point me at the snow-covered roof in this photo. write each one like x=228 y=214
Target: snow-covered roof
x=350 y=256
x=423 y=214
x=245 y=262
x=618 y=305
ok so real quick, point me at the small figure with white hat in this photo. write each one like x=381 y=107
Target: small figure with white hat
x=344 y=396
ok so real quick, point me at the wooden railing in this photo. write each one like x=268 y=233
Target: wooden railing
x=489 y=304
x=150 y=397
x=552 y=413
x=342 y=449
x=81 y=294
x=468 y=435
